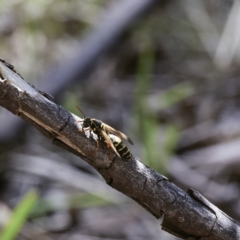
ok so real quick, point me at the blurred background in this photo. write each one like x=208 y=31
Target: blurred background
x=166 y=74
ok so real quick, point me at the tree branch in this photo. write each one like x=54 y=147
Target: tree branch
x=187 y=215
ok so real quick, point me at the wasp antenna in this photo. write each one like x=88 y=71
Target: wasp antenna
x=81 y=111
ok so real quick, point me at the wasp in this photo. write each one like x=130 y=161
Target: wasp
x=121 y=148
x=102 y=130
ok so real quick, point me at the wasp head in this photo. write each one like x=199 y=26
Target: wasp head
x=87 y=122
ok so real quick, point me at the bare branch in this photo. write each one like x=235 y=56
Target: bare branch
x=187 y=215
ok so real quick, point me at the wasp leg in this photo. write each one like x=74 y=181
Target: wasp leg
x=83 y=130
x=95 y=148
x=119 y=136
x=79 y=121
x=110 y=152
x=109 y=148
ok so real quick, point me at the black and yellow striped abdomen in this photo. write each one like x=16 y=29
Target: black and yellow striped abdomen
x=121 y=148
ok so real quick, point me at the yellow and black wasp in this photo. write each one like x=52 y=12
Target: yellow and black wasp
x=102 y=130
x=121 y=148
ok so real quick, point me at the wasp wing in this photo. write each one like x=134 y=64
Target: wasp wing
x=116 y=132
x=108 y=140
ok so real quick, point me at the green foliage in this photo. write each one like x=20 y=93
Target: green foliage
x=74 y=201
x=19 y=216
x=174 y=95
x=158 y=141
x=147 y=124
x=71 y=100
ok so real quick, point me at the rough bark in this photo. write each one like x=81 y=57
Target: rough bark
x=187 y=215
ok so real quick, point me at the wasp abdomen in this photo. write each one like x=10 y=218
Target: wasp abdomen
x=121 y=148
